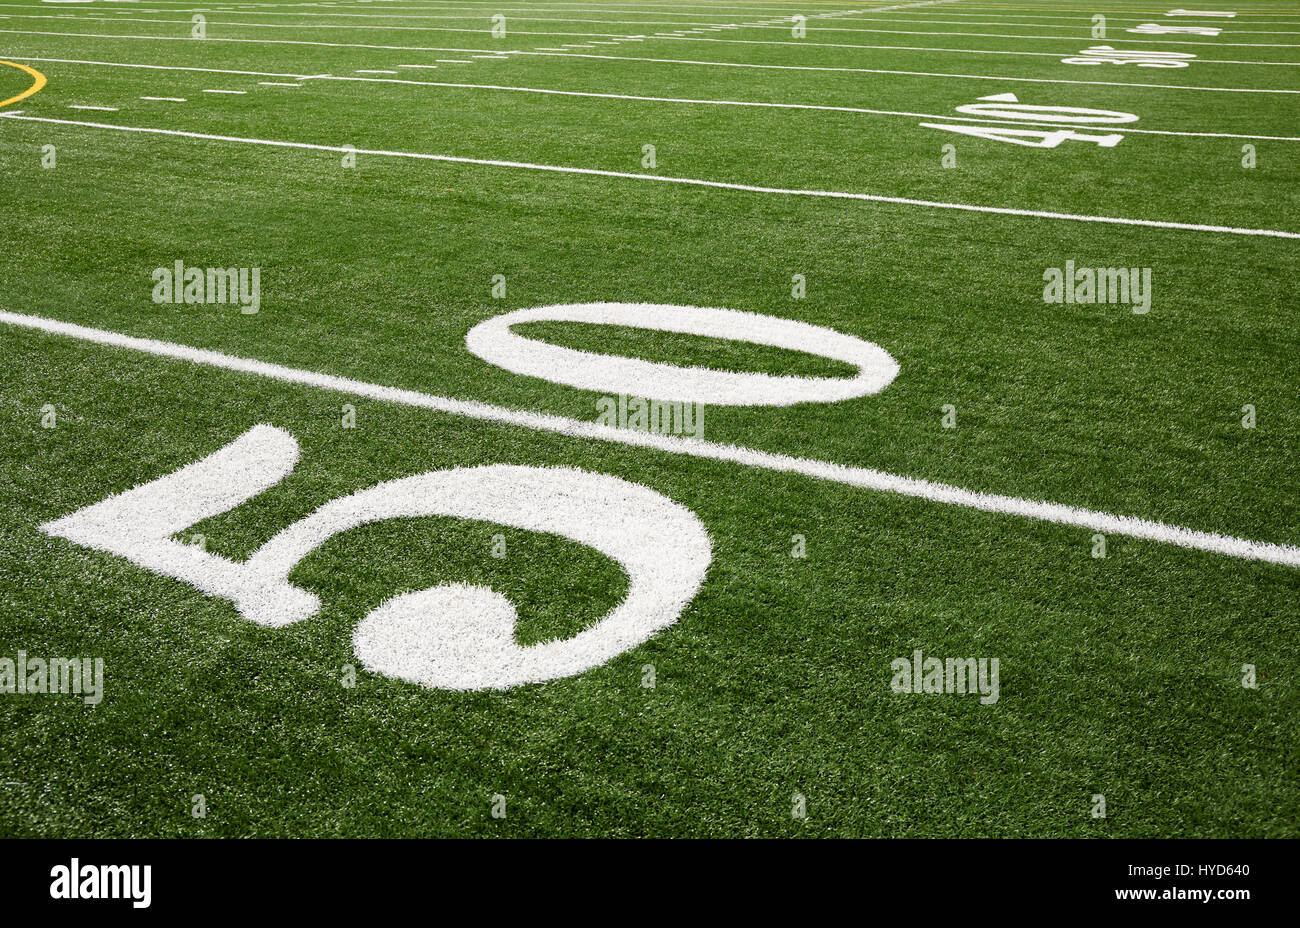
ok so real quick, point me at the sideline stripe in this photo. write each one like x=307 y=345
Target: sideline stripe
x=822 y=26
x=716 y=64
x=158 y=67
x=975 y=77
x=862 y=477
x=666 y=179
x=1126 y=128
x=38 y=81
x=681 y=100
x=729 y=11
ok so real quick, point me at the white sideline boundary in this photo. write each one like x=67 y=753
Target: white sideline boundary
x=687 y=61
x=617 y=36
x=905 y=18
x=669 y=179
x=861 y=477
x=706 y=10
x=973 y=77
x=756 y=104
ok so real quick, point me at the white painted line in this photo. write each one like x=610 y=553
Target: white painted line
x=225 y=91
x=419 y=66
x=976 y=77
x=362 y=71
x=277 y=84
x=709 y=11
x=815 y=107
x=160 y=67
x=165 y=99
x=953 y=51
x=720 y=64
x=861 y=477
x=688 y=181
x=106 y=109
x=453 y=61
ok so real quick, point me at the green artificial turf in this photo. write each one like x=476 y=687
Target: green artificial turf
x=1120 y=676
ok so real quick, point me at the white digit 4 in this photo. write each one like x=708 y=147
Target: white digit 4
x=1030 y=138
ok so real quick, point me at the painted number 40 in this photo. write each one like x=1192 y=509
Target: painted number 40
x=1005 y=106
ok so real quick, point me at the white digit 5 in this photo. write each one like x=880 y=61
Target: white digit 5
x=455 y=636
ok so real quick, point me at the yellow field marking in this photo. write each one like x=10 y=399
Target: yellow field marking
x=37 y=83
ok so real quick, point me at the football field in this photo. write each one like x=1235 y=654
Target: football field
x=674 y=419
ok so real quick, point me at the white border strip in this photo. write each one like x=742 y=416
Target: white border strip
x=814 y=107
x=686 y=61
x=862 y=477
x=666 y=179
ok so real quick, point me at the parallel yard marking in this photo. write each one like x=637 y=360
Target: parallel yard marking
x=798 y=106
x=862 y=477
x=1083 y=21
x=106 y=109
x=701 y=10
x=165 y=99
x=226 y=91
x=720 y=64
x=161 y=67
x=976 y=77
x=637 y=97
x=688 y=181
x=696 y=34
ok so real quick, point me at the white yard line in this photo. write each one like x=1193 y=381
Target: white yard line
x=706 y=11
x=165 y=99
x=106 y=109
x=157 y=67
x=643 y=98
x=976 y=77
x=861 y=477
x=815 y=107
x=818 y=28
x=277 y=84
x=955 y=51
x=683 y=38
x=1082 y=21
x=700 y=63
x=226 y=91
x=686 y=181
